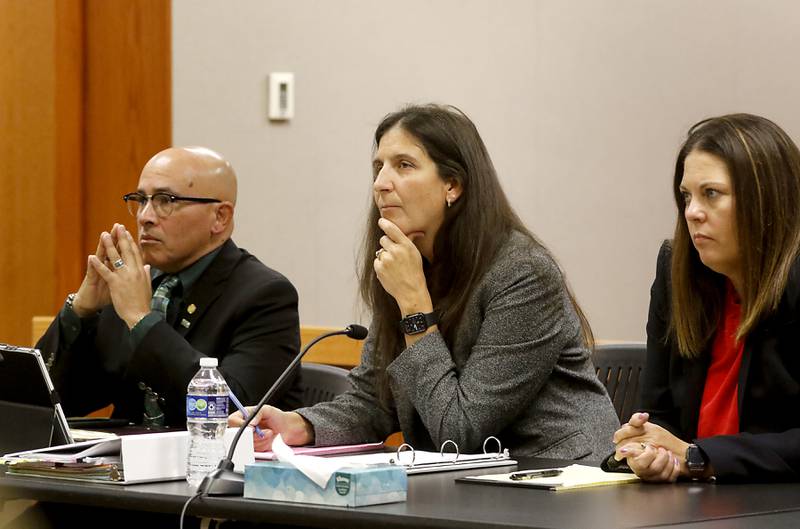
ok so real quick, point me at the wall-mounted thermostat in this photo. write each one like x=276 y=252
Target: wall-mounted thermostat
x=281 y=96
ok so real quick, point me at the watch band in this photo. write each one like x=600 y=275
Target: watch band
x=70 y=301
x=419 y=322
x=695 y=461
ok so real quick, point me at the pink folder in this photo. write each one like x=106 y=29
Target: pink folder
x=326 y=450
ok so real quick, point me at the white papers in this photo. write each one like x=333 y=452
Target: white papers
x=421 y=462
x=89 y=435
x=320 y=469
x=71 y=453
x=410 y=459
x=317 y=469
x=146 y=457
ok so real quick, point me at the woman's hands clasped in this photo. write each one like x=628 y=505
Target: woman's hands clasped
x=652 y=452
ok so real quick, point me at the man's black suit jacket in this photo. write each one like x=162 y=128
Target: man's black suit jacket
x=768 y=445
x=242 y=313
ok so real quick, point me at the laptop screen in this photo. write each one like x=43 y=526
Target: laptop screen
x=30 y=414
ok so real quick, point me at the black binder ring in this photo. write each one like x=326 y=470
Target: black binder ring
x=400 y=449
x=442 y=452
x=499 y=453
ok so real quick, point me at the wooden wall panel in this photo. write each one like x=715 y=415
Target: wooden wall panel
x=27 y=165
x=68 y=190
x=85 y=100
x=128 y=98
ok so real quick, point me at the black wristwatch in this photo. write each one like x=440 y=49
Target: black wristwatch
x=419 y=322
x=696 y=461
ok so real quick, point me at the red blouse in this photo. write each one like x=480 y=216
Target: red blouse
x=719 y=409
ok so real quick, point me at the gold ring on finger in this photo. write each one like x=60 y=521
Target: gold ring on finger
x=379 y=253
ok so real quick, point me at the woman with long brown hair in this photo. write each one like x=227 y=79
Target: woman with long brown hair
x=722 y=383
x=474 y=331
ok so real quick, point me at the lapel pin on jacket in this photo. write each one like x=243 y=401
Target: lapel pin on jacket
x=185 y=323
x=191 y=308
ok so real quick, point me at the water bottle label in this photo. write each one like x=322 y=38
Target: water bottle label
x=206 y=407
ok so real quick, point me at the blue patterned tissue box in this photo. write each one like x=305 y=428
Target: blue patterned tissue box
x=347 y=487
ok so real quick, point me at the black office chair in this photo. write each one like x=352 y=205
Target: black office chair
x=619 y=367
x=322 y=382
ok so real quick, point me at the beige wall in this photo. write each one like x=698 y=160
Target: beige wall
x=582 y=105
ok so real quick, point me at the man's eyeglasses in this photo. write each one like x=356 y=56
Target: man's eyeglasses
x=162 y=203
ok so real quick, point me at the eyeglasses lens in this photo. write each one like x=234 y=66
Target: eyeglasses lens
x=134 y=203
x=160 y=202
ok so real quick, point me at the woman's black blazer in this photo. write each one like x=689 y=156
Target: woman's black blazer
x=768 y=445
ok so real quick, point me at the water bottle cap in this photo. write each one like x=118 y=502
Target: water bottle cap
x=208 y=361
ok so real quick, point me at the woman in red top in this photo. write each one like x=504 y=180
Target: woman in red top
x=721 y=390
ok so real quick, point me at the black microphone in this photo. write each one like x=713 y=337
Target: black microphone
x=224 y=481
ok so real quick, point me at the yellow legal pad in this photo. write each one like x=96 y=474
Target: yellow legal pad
x=571 y=477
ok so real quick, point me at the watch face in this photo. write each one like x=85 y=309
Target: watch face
x=695 y=460
x=414 y=324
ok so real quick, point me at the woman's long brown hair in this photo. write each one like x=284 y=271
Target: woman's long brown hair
x=764 y=166
x=474 y=229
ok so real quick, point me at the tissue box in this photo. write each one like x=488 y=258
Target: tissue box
x=347 y=487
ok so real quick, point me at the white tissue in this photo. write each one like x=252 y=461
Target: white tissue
x=317 y=469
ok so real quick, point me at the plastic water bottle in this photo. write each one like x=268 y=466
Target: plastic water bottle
x=206 y=420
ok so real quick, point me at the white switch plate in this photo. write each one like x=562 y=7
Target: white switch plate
x=281 y=96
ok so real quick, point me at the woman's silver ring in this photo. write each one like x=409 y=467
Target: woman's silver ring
x=378 y=254
x=119 y=263
x=644 y=446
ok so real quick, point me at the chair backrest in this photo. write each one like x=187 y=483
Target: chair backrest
x=322 y=382
x=39 y=325
x=619 y=367
x=335 y=351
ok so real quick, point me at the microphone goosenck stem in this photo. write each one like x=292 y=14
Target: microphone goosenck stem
x=224 y=481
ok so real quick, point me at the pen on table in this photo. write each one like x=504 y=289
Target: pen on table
x=244 y=412
x=533 y=474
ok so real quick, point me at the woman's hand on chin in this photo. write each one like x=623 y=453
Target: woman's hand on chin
x=398 y=266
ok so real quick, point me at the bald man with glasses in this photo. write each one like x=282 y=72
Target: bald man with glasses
x=152 y=304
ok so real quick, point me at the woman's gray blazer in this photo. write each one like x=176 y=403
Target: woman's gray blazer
x=517 y=370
